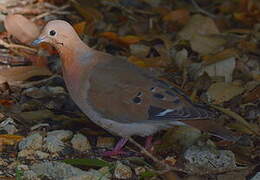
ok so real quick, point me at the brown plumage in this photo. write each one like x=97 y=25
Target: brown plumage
x=122 y=98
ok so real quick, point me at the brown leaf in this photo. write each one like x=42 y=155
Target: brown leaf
x=89 y=13
x=80 y=27
x=181 y=16
x=223 y=55
x=15 y=74
x=8 y=139
x=148 y=62
x=21 y=28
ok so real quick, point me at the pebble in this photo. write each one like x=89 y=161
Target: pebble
x=256 y=176
x=53 y=144
x=139 y=170
x=41 y=155
x=203 y=158
x=60 y=170
x=27 y=154
x=62 y=135
x=80 y=143
x=122 y=171
x=33 y=141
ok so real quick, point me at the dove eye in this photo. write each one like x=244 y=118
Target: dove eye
x=52 y=33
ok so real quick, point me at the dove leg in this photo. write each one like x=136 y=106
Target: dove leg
x=148 y=142
x=118 y=148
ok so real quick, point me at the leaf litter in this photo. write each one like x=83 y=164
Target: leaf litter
x=208 y=49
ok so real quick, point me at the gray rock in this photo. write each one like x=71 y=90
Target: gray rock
x=30 y=175
x=33 y=141
x=256 y=177
x=8 y=125
x=62 y=135
x=53 y=144
x=62 y=171
x=199 y=159
x=41 y=155
x=80 y=143
x=122 y=171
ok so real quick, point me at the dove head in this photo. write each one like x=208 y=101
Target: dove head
x=59 y=34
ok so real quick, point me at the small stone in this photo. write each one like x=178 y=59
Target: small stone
x=23 y=167
x=105 y=172
x=80 y=143
x=41 y=155
x=26 y=153
x=39 y=126
x=3 y=163
x=30 y=175
x=256 y=177
x=53 y=144
x=203 y=158
x=10 y=129
x=122 y=171
x=170 y=160
x=139 y=170
x=33 y=142
x=59 y=170
x=8 y=125
x=62 y=135
x=105 y=142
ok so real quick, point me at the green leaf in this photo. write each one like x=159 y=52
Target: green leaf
x=88 y=162
x=148 y=174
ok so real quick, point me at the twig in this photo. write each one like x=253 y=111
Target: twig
x=34 y=83
x=194 y=3
x=10 y=46
x=167 y=167
x=50 y=12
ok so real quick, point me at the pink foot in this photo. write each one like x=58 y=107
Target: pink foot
x=148 y=142
x=118 y=149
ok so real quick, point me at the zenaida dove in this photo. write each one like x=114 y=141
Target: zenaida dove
x=115 y=94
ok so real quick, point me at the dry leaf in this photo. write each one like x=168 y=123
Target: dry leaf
x=80 y=27
x=181 y=16
x=198 y=24
x=16 y=74
x=223 y=55
x=222 y=92
x=8 y=139
x=21 y=28
x=206 y=44
x=222 y=68
x=148 y=62
x=123 y=40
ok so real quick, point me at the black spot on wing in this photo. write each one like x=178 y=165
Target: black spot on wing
x=137 y=100
x=158 y=95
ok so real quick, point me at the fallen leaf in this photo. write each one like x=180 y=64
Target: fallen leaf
x=21 y=28
x=181 y=16
x=8 y=139
x=198 y=24
x=89 y=13
x=148 y=62
x=15 y=75
x=80 y=27
x=221 y=92
x=206 y=44
x=220 y=56
x=222 y=68
x=6 y=102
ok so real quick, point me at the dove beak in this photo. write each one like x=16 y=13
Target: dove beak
x=38 y=41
